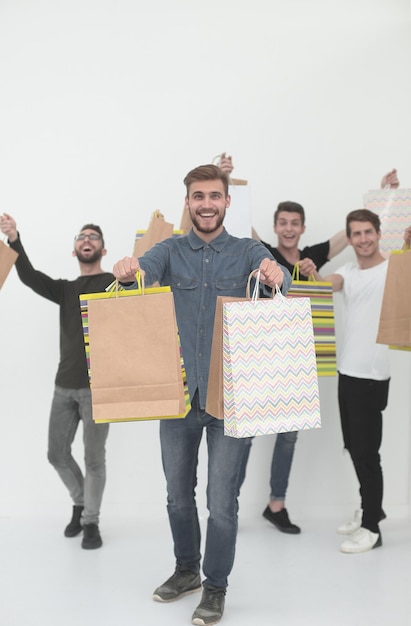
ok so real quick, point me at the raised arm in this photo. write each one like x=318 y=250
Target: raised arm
x=338 y=243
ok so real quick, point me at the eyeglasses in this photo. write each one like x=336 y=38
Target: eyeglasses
x=91 y=236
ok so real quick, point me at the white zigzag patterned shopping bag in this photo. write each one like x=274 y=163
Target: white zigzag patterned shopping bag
x=269 y=367
x=393 y=206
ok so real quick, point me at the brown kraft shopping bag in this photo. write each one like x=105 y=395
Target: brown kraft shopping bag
x=135 y=358
x=395 y=317
x=157 y=231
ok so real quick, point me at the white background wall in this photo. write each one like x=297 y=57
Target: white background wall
x=105 y=105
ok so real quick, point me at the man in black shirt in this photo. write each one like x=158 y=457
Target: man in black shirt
x=72 y=398
x=289 y=225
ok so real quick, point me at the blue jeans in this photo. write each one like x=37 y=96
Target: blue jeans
x=69 y=406
x=281 y=462
x=180 y=440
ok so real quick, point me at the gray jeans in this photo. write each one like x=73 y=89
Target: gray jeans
x=69 y=406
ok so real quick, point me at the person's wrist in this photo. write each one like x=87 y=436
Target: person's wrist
x=12 y=236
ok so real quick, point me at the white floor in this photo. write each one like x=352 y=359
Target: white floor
x=48 y=580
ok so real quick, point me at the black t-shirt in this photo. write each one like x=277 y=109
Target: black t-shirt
x=72 y=370
x=318 y=254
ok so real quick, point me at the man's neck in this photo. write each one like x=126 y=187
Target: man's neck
x=292 y=255
x=90 y=269
x=365 y=263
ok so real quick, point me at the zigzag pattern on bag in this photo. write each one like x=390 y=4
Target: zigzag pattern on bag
x=394 y=210
x=270 y=374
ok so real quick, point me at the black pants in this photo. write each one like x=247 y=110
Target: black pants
x=361 y=403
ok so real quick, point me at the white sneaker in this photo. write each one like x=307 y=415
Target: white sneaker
x=361 y=540
x=351 y=526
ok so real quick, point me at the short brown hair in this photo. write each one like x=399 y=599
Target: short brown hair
x=206 y=172
x=290 y=207
x=362 y=215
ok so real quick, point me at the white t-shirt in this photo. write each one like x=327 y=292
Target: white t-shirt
x=360 y=356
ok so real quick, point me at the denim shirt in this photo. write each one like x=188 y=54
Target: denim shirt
x=197 y=273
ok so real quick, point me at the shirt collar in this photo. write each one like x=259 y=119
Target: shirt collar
x=218 y=243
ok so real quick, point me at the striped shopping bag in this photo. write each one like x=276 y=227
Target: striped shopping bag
x=321 y=298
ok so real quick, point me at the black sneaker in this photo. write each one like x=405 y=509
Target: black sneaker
x=281 y=521
x=181 y=583
x=74 y=527
x=211 y=608
x=91 y=538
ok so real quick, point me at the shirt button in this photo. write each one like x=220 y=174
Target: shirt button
x=205 y=284
x=207 y=260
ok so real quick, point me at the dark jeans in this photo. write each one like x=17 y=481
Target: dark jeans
x=361 y=403
x=180 y=440
x=281 y=462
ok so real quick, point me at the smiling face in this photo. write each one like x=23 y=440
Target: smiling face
x=89 y=250
x=288 y=228
x=207 y=203
x=364 y=239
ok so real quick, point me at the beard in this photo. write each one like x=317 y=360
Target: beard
x=92 y=258
x=207 y=229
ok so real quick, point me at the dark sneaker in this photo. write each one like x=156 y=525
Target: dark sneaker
x=281 y=521
x=211 y=608
x=91 y=538
x=180 y=584
x=74 y=527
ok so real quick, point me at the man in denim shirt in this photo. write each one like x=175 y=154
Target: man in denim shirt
x=200 y=266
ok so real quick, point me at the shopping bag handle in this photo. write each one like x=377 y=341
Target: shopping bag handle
x=296 y=274
x=115 y=286
x=403 y=250
x=254 y=297
x=157 y=215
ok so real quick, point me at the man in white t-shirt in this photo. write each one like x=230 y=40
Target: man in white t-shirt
x=363 y=367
